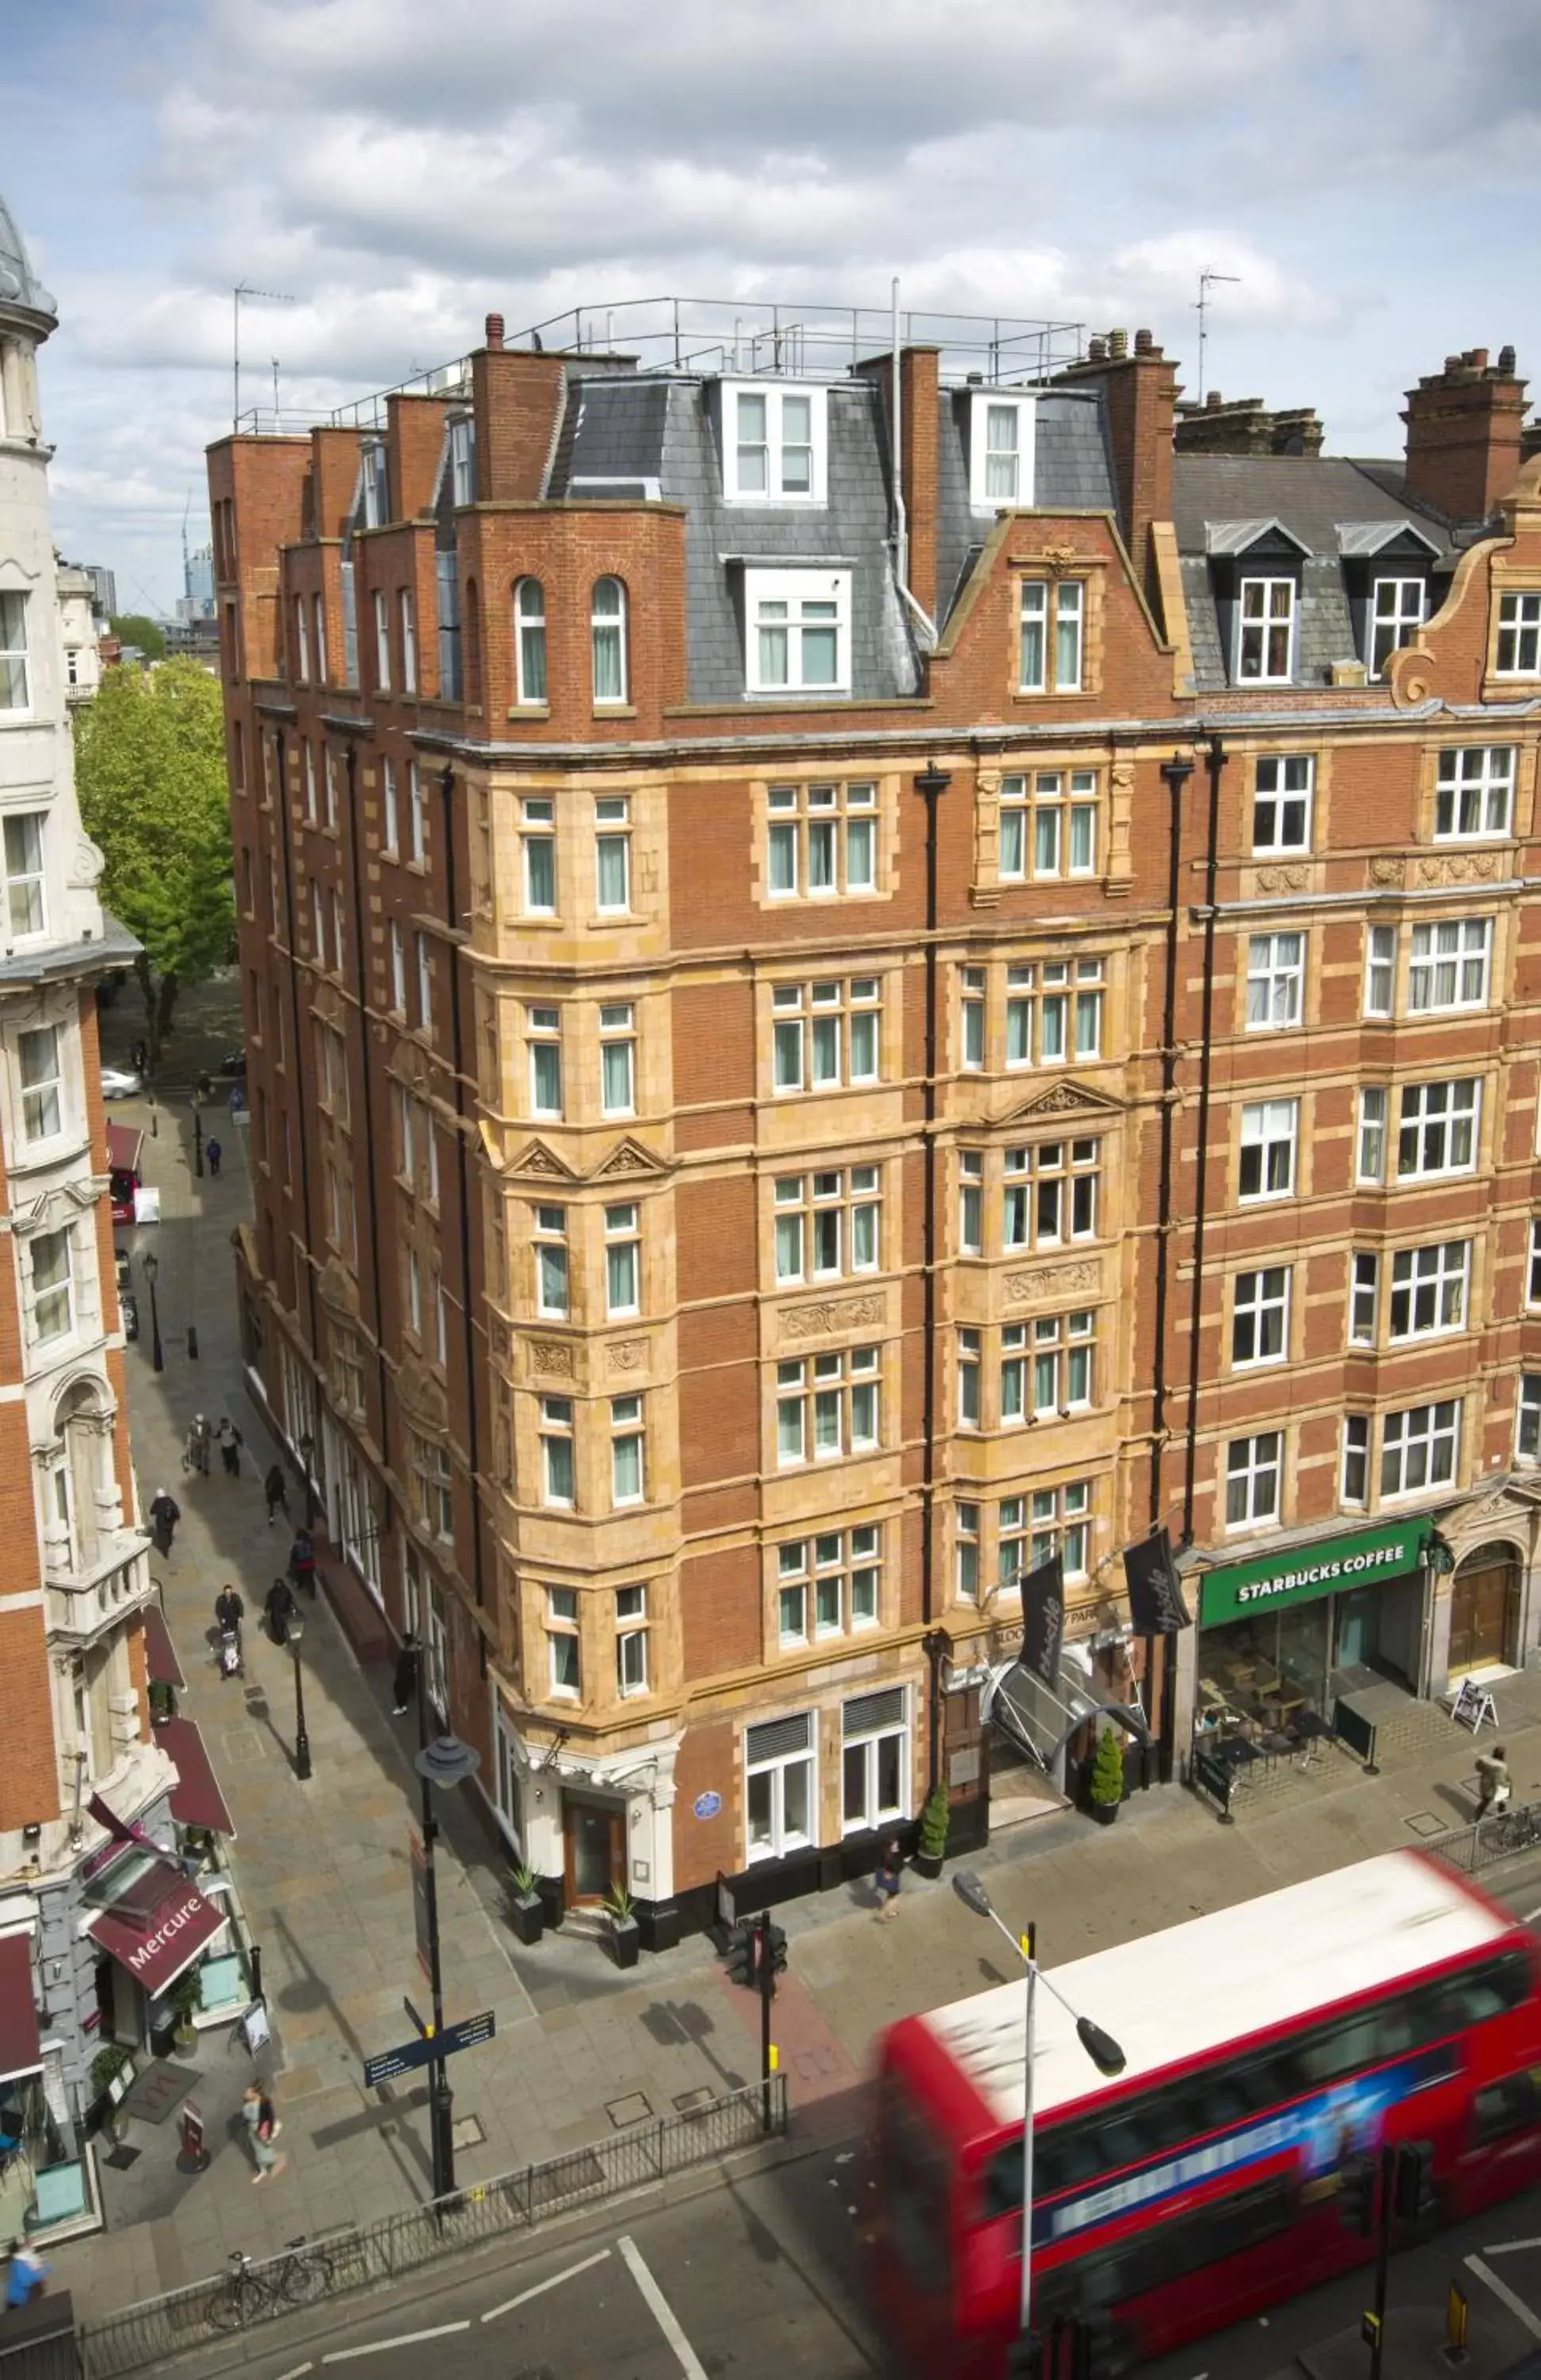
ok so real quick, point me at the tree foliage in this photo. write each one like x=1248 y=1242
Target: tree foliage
x=138 y=629
x=149 y=768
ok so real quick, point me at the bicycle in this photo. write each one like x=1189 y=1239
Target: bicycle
x=249 y=2290
x=1512 y=1830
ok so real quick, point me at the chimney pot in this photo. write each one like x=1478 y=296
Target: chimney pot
x=1213 y=401
x=1144 y=344
x=495 y=330
x=1453 y=365
x=1097 y=351
x=1477 y=358
x=1506 y=362
x=1118 y=345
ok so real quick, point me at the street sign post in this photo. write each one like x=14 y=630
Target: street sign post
x=421 y=1923
x=390 y=2064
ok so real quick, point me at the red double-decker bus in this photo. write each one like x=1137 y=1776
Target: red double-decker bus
x=1266 y=2046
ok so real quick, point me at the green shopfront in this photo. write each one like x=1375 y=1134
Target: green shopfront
x=1284 y=1633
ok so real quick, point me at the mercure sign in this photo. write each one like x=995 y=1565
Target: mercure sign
x=1299 y=1573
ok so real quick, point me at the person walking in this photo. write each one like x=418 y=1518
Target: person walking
x=280 y=1604
x=201 y=1438
x=26 y=2278
x=403 y=1685
x=888 y=1879
x=1493 y=1782
x=302 y=1561
x=164 y=1513
x=263 y=2128
x=275 y=1488
x=213 y=1152
x=229 y=1438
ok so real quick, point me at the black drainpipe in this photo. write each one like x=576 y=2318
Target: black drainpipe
x=1214 y=763
x=930 y=785
x=1176 y=772
x=296 y=1037
x=361 y=977
x=473 y=1432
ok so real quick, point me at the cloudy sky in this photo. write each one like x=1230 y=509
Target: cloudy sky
x=399 y=168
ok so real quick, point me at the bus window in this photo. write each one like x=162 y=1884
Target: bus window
x=1343 y=2049
x=1511 y=2105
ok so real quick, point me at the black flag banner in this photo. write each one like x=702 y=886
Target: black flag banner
x=1043 y=1619
x=1156 y=1603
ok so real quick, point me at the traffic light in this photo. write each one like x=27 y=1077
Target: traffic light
x=1357 y=2195
x=775 y=1947
x=1414 y=2188
x=741 y=1954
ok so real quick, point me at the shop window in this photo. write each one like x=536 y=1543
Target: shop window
x=874 y=1775
x=779 y=1781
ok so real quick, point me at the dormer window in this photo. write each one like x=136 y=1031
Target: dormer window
x=1396 y=615
x=799 y=631
x=773 y=445
x=1000 y=452
x=1265 y=631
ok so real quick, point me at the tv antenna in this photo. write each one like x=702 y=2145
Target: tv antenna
x=270 y=297
x=1206 y=281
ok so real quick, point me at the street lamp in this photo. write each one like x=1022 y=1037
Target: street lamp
x=197 y=1138
x=444 y=1762
x=1100 y=2047
x=294 y=1629
x=307 y=1447
x=152 y=1267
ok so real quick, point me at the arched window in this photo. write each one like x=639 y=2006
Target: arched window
x=529 y=639
x=83 y=1503
x=608 y=632
x=470 y=642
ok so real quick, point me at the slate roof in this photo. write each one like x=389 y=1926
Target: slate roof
x=1072 y=472
x=1336 y=510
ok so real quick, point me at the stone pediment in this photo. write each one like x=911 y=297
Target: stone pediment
x=629 y=1156
x=536 y=1158
x=422 y=1397
x=337 y=1289
x=1064 y=1098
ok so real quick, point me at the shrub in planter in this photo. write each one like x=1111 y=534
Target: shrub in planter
x=1107 y=1777
x=625 y=1935
x=106 y=2067
x=185 y=1997
x=935 y=1820
x=527 y=1911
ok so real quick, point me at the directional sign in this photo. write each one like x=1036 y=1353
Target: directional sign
x=393 y=2063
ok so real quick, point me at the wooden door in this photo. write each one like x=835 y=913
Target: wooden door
x=1483 y=1591
x=595 y=1840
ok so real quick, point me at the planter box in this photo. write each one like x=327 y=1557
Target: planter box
x=626 y=1942
x=527 y=1914
x=928 y=1863
x=1105 y=1812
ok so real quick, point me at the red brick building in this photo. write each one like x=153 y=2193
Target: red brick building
x=826 y=949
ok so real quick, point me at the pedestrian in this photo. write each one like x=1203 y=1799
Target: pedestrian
x=275 y=1488
x=139 y=1056
x=263 y=2128
x=1494 y=1781
x=201 y=1436
x=888 y=1879
x=27 y=2275
x=213 y=1152
x=302 y=1561
x=229 y=1438
x=280 y=1605
x=164 y=1513
x=205 y=1090
x=403 y=1685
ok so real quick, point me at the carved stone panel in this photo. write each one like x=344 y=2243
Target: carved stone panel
x=1057 y=1282
x=556 y=1358
x=832 y=1314
x=627 y=1355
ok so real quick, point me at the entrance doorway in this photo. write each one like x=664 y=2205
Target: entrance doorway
x=1484 y=1599
x=595 y=1838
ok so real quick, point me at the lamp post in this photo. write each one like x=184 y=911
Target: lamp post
x=294 y=1629
x=1100 y=2047
x=307 y=1449
x=152 y=1264
x=197 y=1138
x=444 y=1762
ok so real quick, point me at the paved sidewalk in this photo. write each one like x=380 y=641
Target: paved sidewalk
x=323 y=1875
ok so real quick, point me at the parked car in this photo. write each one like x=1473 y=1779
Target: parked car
x=233 y=1062
x=121 y=1082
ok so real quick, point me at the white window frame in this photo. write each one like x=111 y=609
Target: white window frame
x=1364 y=1297
x=381 y=641
x=1380 y=971
x=1527 y=1418
x=1474 y=800
x=1263 y=1128
x=801 y=1014
x=866 y=1740
x=557 y=1434
x=966 y=1539
x=1519 y=633
x=1048 y=826
x=553 y=1279
x=775 y=444
x=781 y=1838
x=1281 y=803
x=1275 y=981
x=543 y=1035
x=608 y=655
x=618 y=1042
x=1260 y=630
x=793 y=590
x=562 y=1628
x=1260 y=1317
x=628 y=1441
x=622 y=1240
x=1438 y=1276
x=1023 y=451
x=63 y=1289
x=398 y=967
x=632 y=1648
x=1261 y=1457
x=539 y=842
x=1533 y=1275
x=1353 y=1477
x=821 y=842
x=531 y=653
x=1394 y=622
x=827 y=1225
x=44 y=1109
x=417 y=815
x=613 y=849
x=30 y=880
x=390 y=806
x=1458 y=948
x=16 y=672
x=1420 y=1448
x=1371 y=1129
x=1430 y=1111
x=408 y=640
x=302 y=643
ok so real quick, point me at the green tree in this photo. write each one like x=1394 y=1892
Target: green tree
x=138 y=629
x=149 y=767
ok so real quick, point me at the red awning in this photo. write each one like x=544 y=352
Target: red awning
x=196 y=1800
x=19 y=2053
x=124 y=1144
x=160 y=1653
x=158 y=1928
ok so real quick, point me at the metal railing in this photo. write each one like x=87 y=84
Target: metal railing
x=140 y=2337
x=1471 y=1848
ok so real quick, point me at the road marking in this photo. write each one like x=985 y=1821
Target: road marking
x=1530 y=1916
x=1511 y=2247
x=541 y=2287
x=408 y=2339
x=1505 y=2296
x=297 y=2372
x=662 y=2310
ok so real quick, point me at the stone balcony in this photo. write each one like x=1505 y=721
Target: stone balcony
x=83 y=1605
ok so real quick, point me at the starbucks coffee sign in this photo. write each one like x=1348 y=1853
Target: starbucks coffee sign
x=1299 y=1574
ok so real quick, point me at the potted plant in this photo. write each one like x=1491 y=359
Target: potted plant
x=1107 y=1777
x=527 y=1911
x=184 y=1996
x=625 y=1935
x=935 y=1819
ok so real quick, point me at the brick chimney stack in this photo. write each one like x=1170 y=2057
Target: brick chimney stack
x=1464 y=427
x=1141 y=401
